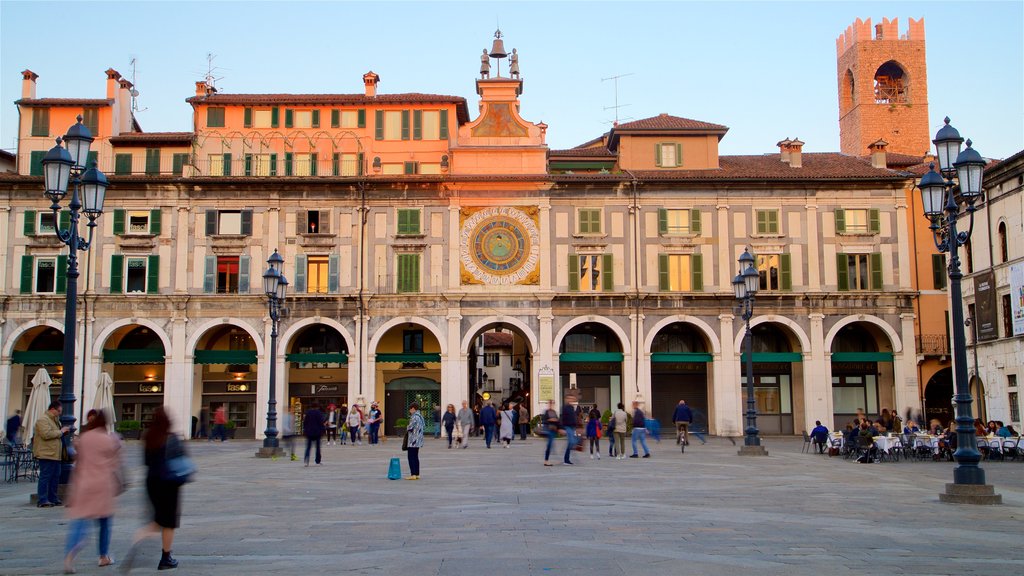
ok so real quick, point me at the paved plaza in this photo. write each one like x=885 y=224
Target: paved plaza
x=499 y=512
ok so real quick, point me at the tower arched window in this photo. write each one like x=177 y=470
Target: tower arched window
x=847 y=94
x=892 y=85
x=1003 y=250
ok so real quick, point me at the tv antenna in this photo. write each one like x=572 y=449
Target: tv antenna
x=135 y=91
x=615 y=80
x=210 y=68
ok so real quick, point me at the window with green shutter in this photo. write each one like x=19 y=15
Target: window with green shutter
x=859 y=271
x=361 y=118
x=786 y=271
x=247 y=117
x=40 y=121
x=153 y=274
x=411 y=168
x=840 y=221
x=767 y=221
x=288 y=164
x=154 y=222
x=939 y=271
x=315 y=118
x=215 y=117
x=405 y=124
x=119 y=219
x=300 y=274
x=333 y=268
x=417 y=124
x=443 y=125
x=408 y=273
x=680 y=272
x=29 y=226
x=606 y=272
x=574 y=272
x=408 y=221
x=289 y=118
x=874 y=221
x=65 y=220
x=123 y=163
x=178 y=162
x=378 y=125
x=35 y=164
x=335 y=118
x=62 y=274
x=589 y=220
x=116 y=273
x=678 y=221
x=842 y=273
x=275 y=116
x=876 y=270
x=27 y=272
x=91 y=120
x=152 y=161
x=227 y=165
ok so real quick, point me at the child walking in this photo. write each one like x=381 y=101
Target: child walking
x=594 y=432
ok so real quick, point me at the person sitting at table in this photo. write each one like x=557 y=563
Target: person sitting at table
x=884 y=420
x=866 y=436
x=820 y=436
x=879 y=428
x=911 y=428
x=979 y=427
x=935 y=427
x=1006 y=431
x=852 y=430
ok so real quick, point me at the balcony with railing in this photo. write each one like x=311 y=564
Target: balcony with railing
x=933 y=344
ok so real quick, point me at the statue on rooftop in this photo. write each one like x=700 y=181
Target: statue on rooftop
x=485 y=65
x=513 y=68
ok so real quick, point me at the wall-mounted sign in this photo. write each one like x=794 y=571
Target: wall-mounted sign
x=150 y=388
x=985 y=306
x=323 y=388
x=1017 y=297
x=239 y=388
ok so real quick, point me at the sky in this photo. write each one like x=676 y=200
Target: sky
x=767 y=70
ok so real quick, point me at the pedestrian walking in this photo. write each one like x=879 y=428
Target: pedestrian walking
x=449 y=423
x=466 y=419
x=569 y=425
x=375 y=417
x=550 y=424
x=621 y=423
x=164 y=495
x=682 y=418
x=343 y=431
x=609 y=432
x=93 y=490
x=415 y=432
x=639 y=431
x=594 y=432
x=46 y=447
x=12 y=428
x=355 y=424
x=524 y=421
x=332 y=424
x=488 y=418
x=220 y=421
x=288 y=433
x=509 y=417
x=313 y=428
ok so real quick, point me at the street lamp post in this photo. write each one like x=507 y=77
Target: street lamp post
x=745 y=285
x=62 y=166
x=275 y=286
x=945 y=202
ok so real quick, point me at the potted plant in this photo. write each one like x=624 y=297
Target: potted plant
x=229 y=429
x=400 y=425
x=129 y=429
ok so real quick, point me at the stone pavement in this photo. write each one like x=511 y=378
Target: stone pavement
x=499 y=512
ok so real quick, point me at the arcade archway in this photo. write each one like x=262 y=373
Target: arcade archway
x=778 y=377
x=226 y=375
x=680 y=358
x=134 y=356
x=408 y=369
x=862 y=373
x=499 y=365
x=317 y=368
x=37 y=347
x=938 y=398
x=590 y=365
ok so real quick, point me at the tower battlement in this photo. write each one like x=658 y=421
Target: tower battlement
x=862 y=31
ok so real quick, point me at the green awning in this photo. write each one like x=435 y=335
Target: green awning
x=143 y=356
x=225 y=357
x=38 y=357
x=590 y=357
x=775 y=357
x=680 y=357
x=409 y=357
x=862 y=357
x=318 y=357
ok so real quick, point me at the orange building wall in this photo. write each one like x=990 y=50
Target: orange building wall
x=637 y=152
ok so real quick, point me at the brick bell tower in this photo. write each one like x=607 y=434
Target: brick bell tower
x=883 y=88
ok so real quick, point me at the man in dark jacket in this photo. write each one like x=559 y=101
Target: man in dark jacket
x=568 y=423
x=682 y=418
x=820 y=436
x=313 y=428
x=488 y=417
x=639 y=431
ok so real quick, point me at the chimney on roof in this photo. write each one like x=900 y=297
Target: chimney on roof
x=370 y=81
x=112 y=78
x=203 y=88
x=28 y=84
x=784 y=149
x=877 y=149
x=795 y=153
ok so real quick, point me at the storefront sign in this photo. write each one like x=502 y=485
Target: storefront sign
x=1017 y=298
x=151 y=388
x=546 y=386
x=315 y=389
x=985 y=306
x=239 y=388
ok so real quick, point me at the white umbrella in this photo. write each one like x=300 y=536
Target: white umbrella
x=104 y=399
x=38 y=402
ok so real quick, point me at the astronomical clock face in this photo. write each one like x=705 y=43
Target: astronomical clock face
x=499 y=245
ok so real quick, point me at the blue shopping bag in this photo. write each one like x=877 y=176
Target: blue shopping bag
x=395 y=469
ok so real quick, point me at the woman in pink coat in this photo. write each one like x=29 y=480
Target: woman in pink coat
x=93 y=489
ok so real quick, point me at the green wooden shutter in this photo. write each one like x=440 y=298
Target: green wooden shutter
x=875 y=263
x=116 y=273
x=335 y=118
x=695 y=221
x=785 y=272
x=27 y=271
x=679 y=155
x=607 y=277
x=697 y=272
x=762 y=222
x=663 y=281
x=30 y=223
x=227 y=164
x=874 y=221
x=333 y=265
x=35 y=163
x=359 y=164
x=574 y=272
x=657 y=154
x=405 y=124
x=62 y=274
x=273 y=164
x=662 y=221
x=246 y=222
x=773 y=222
x=153 y=274
x=248 y=164
x=409 y=168
x=152 y=161
x=443 y=125
x=301 y=222
x=408 y=272
x=122 y=164
x=289 y=117
x=41 y=122
x=243 y=274
x=361 y=118
x=939 y=271
x=315 y=121
x=840 y=220
x=287 y=163
x=336 y=164
x=247 y=118
x=275 y=117
x=211 y=222
x=300 y=274
x=417 y=125
x=65 y=220
x=313 y=160
x=210 y=273
x=178 y=164
x=378 y=125
x=842 y=272
x=154 y=222
x=403 y=221
x=93 y=159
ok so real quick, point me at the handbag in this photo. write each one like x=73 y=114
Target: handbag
x=178 y=468
x=405 y=441
x=120 y=479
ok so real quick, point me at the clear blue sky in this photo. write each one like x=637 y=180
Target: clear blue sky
x=765 y=69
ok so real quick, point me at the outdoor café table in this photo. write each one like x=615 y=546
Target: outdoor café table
x=992 y=442
x=927 y=440
x=836 y=440
x=886 y=443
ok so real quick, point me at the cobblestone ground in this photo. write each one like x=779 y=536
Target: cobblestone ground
x=499 y=511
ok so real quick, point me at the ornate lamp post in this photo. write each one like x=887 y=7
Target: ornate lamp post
x=745 y=285
x=945 y=202
x=62 y=166
x=275 y=286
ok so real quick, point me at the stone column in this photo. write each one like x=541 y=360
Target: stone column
x=5 y=387
x=813 y=280
x=453 y=365
x=179 y=373
x=817 y=385
x=544 y=357
x=636 y=378
x=728 y=417
x=182 y=244
x=904 y=368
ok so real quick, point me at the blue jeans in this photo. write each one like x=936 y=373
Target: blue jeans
x=570 y=441
x=309 y=444
x=551 y=443
x=488 y=433
x=78 y=529
x=49 y=477
x=219 y=431
x=374 y=433
x=640 y=433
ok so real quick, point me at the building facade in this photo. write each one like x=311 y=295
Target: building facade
x=409 y=229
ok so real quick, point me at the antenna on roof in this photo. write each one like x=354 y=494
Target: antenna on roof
x=616 y=107
x=135 y=91
x=210 y=68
